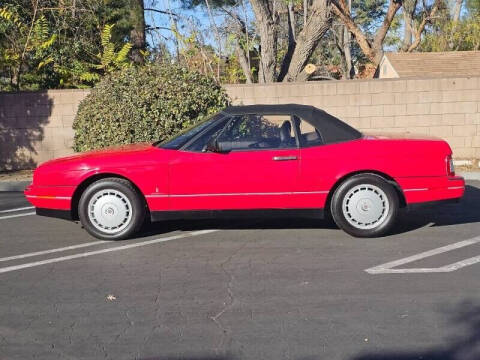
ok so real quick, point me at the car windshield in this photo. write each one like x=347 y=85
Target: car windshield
x=178 y=140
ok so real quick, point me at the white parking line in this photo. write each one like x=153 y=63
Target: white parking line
x=103 y=251
x=388 y=268
x=17 y=215
x=17 y=209
x=51 y=251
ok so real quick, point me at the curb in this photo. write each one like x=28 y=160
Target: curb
x=17 y=186
x=470 y=175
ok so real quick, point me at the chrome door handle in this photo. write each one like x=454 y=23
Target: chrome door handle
x=284 y=158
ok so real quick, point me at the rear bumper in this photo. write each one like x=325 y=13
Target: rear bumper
x=424 y=205
x=431 y=189
x=50 y=197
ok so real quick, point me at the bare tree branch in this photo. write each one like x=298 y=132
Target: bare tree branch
x=161 y=11
x=372 y=49
x=421 y=27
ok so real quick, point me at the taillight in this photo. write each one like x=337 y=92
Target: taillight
x=450 y=166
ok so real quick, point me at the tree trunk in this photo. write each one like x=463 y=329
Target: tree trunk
x=457 y=10
x=217 y=35
x=240 y=28
x=243 y=61
x=347 y=40
x=318 y=23
x=291 y=20
x=373 y=50
x=407 y=31
x=260 y=74
x=409 y=7
x=137 y=33
x=266 y=28
x=291 y=42
x=421 y=27
x=340 y=44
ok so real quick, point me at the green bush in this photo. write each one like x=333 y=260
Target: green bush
x=147 y=103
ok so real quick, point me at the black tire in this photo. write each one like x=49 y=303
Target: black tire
x=384 y=215
x=125 y=191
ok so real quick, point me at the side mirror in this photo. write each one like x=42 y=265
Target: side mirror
x=212 y=145
x=219 y=147
x=224 y=146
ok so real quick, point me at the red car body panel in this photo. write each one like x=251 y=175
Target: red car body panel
x=176 y=180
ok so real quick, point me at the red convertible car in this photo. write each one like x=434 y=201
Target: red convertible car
x=256 y=160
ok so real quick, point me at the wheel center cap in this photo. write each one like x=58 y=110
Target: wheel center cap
x=109 y=210
x=364 y=205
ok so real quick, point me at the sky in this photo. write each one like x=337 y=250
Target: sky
x=197 y=17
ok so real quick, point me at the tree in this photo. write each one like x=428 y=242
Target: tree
x=76 y=25
x=276 y=62
x=137 y=32
x=426 y=17
x=457 y=10
x=409 y=7
x=449 y=35
x=25 y=44
x=318 y=23
x=371 y=47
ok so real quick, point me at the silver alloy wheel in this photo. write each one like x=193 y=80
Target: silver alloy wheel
x=365 y=206
x=109 y=211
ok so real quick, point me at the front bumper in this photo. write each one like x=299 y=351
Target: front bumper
x=50 y=197
x=430 y=189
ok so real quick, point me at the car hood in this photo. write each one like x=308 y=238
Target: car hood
x=97 y=155
x=398 y=136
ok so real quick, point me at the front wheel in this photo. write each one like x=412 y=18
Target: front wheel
x=365 y=205
x=111 y=209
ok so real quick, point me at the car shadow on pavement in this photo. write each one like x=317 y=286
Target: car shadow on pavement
x=195 y=357
x=464 y=212
x=465 y=345
x=162 y=227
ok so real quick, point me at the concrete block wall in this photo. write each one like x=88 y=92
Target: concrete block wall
x=444 y=107
x=37 y=126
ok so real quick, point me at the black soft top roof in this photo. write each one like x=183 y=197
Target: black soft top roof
x=332 y=129
x=268 y=109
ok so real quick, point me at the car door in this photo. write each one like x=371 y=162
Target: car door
x=259 y=171
x=319 y=166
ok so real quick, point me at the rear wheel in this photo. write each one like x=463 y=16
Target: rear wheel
x=111 y=209
x=365 y=205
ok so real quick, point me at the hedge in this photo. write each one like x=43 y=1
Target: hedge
x=147 y=103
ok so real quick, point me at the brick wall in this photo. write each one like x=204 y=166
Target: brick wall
x=37 y=126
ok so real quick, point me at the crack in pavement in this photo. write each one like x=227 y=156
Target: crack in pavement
x=230 y=302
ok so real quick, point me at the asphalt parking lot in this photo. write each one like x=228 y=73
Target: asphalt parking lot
x=250 y=289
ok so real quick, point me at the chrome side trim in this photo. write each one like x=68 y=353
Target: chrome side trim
x=49 y=197
x=420 y=189
x=456 y=187
x=237 y=194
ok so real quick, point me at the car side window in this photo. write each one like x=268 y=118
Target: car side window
x=200 y=144
x=308 y=134
x=254 y=131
